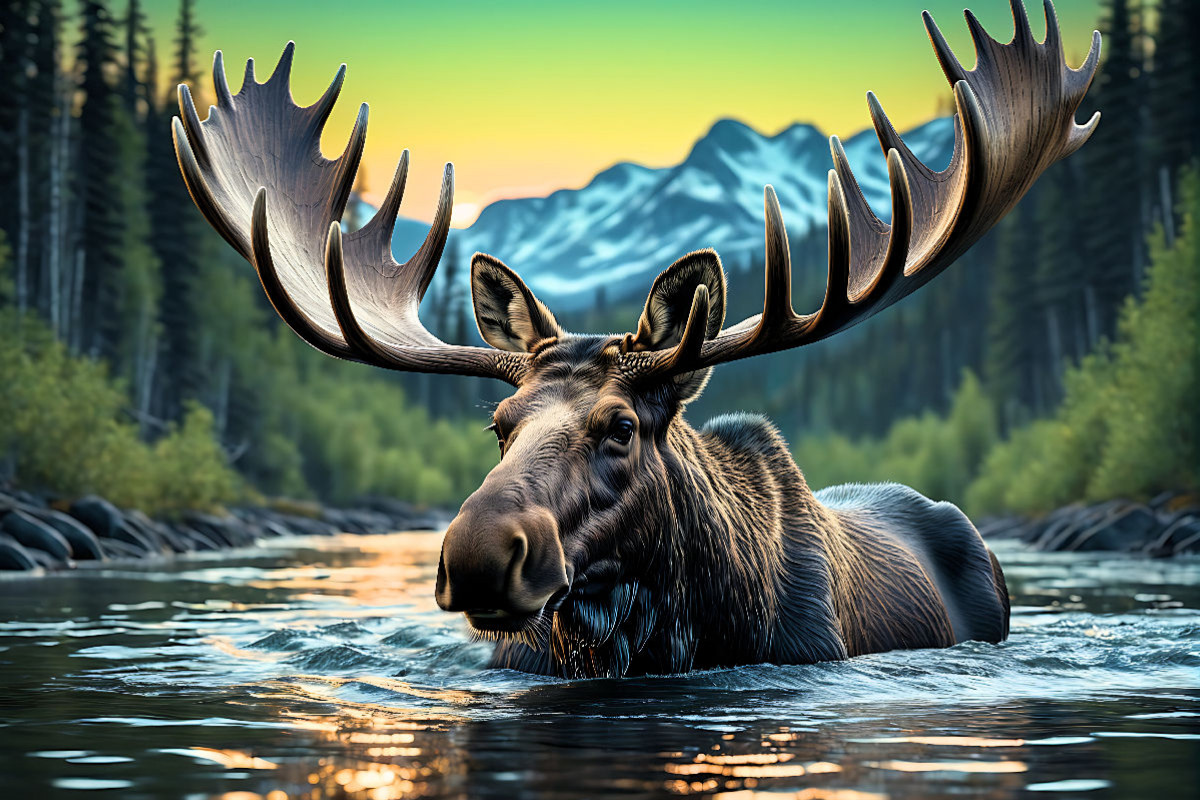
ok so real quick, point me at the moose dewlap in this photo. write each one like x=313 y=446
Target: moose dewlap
x=612 y=538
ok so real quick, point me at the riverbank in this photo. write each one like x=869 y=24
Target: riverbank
x=1169 y=525
x=38 y=534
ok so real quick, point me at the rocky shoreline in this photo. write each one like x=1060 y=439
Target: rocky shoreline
x=36 y=534
x=1169 y=525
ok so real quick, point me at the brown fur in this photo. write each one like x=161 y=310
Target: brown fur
x=707 y=548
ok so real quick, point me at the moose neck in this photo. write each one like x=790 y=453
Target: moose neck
x=742 y=516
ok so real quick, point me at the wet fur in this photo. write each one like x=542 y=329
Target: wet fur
x=716 y=553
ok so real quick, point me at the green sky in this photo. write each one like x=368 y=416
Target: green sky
x=525 y=97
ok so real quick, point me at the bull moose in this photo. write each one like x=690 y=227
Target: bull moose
x=612 y=538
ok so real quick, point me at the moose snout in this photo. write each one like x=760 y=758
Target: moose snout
x=510 y=562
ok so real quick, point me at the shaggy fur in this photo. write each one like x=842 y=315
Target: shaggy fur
x=706 y=548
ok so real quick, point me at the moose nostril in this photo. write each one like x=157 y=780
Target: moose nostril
x=520 y=548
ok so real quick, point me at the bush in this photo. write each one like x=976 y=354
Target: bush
x=1129 y=424
x=63 y=430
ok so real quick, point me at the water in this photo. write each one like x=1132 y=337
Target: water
x=322 y=668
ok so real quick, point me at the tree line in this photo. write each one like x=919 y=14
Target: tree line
x=122 y=299
x=103 y=251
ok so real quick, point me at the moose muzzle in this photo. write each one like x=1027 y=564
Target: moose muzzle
x=500 y=567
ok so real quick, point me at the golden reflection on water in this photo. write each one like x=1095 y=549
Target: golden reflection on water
x=373 y=751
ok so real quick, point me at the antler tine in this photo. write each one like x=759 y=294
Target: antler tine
x=344 y=295
x=1022 y=34
x=1001 y=146
x=949 y=62
x=288 y=311
x=692 y=340
x=282 y=76
x=425 y=262
x=191 y=124
x=777 y=294
x=220 y=84
x=201 y=194
x=381 y=226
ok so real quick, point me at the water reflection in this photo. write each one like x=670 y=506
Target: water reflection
x=324 y=670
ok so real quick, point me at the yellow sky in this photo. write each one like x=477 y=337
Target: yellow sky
x=526 y=97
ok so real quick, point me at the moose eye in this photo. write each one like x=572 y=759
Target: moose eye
x=622 y=432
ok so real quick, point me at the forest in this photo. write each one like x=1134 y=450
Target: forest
x=1059 y=361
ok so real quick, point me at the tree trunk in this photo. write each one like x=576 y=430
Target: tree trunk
x=22 y=276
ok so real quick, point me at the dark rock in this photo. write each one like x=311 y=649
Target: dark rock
x=1180 y=530
x=1189 y=545
x=304 y=526
x=14 y=556
x=196 y=540
x=117 y=549
x=1129 y=530
x=1003 y=528
x=155 y=532
x=35 y=534
x=1070 y=523
x=228 y=530
x=101 y=516
x=84 y=544
x=44 y=559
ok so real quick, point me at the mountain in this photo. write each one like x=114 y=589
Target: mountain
x=631 y=221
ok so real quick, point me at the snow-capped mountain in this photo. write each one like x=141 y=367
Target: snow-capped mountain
x=631 y=221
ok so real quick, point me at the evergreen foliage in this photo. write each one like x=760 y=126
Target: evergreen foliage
x=164 y=333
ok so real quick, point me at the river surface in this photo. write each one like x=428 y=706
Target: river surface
x=321 y=668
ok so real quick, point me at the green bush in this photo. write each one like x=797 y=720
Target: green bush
x=63 y=429
x=936 y=456
x=1129 y=423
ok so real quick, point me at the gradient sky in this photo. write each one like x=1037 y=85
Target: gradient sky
x=527 y=97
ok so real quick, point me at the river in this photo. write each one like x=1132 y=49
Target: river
x=321 y=668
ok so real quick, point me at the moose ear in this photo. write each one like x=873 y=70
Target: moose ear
x=508 y=315
x=669 y=303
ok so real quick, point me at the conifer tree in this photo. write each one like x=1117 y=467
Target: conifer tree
x=1113 y=197
x=100 y=227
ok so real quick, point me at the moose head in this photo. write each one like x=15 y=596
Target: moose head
x=609 y=526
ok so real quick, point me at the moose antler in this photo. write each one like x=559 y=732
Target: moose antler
x=254 y=168
x=1016 y=117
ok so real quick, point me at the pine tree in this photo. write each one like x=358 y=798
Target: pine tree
x=180 y=236
x=101 y=225
x=1012 y=346
x=1113 y=158
x=132 y=89
x=47 y=114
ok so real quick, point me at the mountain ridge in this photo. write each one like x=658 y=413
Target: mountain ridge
x=630 y=221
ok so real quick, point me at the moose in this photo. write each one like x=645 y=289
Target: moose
x=612 y=538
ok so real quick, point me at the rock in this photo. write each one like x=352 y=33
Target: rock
x=1128 y=530
x=1189 y=545
x=1002 y=528
x=117 y=549
x=303 y=526
x=154 y=532
x=98 y=514
x=1184 y=527
x=229 y=530
x=14 y=556
x=33 y=533
x=196 y=540
x=84 y=544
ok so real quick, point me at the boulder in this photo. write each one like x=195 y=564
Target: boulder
x=1184 y=527
x=117 y=549
x=14 y=556
x=1128 y=530
x=101 y=516
x=84 y=544
x=35 y=534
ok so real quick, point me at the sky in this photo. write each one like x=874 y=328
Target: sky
x=527 y=97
